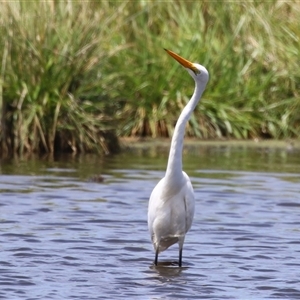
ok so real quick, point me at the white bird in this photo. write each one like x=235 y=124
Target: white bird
x=172 y=205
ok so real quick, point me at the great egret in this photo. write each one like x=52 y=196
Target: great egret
x=172 y=205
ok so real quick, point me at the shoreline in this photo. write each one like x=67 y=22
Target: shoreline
x=136 y=143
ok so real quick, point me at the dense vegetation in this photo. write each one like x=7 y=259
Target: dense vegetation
x=74 y=75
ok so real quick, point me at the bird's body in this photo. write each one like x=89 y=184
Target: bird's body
x=171 y=217
x=172 y=205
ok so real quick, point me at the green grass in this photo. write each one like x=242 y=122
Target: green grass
x=76 y=74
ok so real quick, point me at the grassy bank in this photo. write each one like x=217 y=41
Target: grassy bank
x=74 y=75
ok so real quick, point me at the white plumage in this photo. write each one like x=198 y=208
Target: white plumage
x=172 y=205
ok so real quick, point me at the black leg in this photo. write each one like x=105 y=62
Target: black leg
x=180 y=258
x=156 y=257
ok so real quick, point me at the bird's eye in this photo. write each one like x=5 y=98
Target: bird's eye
x=196 y=71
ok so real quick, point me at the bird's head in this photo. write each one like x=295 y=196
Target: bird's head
x=197 y=71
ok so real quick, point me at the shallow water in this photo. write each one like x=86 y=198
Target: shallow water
x=63 y=236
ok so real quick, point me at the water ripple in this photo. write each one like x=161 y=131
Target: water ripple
x=65 y=238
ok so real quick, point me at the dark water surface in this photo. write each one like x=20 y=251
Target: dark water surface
x=63 y=236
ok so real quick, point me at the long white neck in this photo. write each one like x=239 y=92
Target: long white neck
x=174 y=168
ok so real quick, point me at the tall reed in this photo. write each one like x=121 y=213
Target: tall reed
x=74 y=73
x=54 y=94
x=251 y=50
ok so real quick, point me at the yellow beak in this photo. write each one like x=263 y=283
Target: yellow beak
x=184 y=62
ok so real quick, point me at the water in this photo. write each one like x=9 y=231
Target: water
x=65 y=236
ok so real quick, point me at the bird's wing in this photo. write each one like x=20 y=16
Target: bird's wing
x=189 y=201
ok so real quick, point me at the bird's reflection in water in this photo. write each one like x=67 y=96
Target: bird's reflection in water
x=168 y=268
